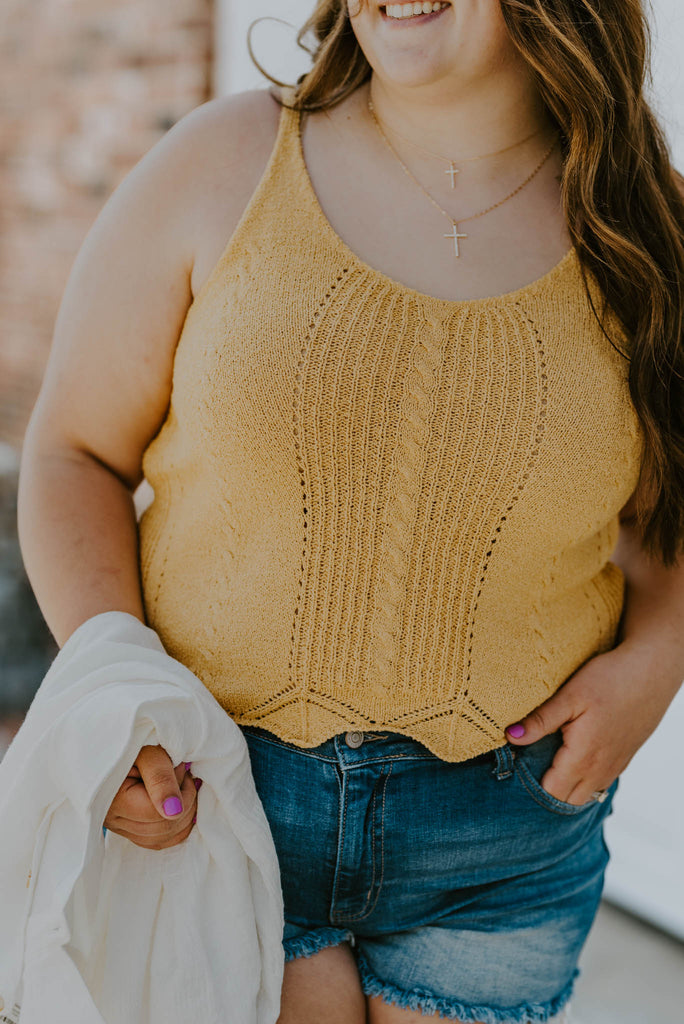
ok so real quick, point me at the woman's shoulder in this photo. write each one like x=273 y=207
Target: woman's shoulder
x=254 y=104
x=220 y=146
x=232 y=127
x=231 y=139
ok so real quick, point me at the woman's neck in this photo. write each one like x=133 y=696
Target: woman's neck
x=462 y=123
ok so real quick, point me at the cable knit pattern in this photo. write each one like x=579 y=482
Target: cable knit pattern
x=416 y=408
x=376 y=509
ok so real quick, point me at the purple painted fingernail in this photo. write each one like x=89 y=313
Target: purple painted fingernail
x=516 y=731
x=198 y=783
x=188 y=765
x=194 y=820
x=172 y=806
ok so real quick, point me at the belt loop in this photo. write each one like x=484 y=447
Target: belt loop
x=504 y=762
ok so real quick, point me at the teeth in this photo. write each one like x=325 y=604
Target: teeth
x=409 y=10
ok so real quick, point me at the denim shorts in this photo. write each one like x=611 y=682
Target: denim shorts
x=465 y=890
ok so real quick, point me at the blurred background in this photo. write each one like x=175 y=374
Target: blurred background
x=86 y=88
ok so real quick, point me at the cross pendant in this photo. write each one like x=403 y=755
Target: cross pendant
x=456 y=235
x=453 y=171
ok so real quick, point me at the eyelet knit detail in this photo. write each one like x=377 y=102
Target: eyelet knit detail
x=297 y=430
x=486 y=722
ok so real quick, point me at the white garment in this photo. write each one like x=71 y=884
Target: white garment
x=103 y=930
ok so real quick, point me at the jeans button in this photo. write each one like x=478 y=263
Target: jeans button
x=353 y=739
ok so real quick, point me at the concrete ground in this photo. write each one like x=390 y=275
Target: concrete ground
x=632 y=973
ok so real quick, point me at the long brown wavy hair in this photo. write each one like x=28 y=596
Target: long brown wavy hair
x=623 y=200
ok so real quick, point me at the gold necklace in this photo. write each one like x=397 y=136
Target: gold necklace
x=453 y=170
x=455 y=234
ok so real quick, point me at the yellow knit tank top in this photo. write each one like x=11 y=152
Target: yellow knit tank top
x=376 y=509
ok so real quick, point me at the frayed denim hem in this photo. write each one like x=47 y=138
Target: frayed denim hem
x=425 y=1002
x=313 y=942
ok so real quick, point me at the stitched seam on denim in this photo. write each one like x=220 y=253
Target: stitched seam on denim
x=503 y=768
x=299 y=750
x=367 y=912
x=554 y=805
x=382 y=843
x=340 y=848
x=388 y=757
x=364 y=911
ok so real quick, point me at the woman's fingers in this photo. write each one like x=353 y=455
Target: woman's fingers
x=157 y=842
x=133 y=816
x=156 y=804
x=578 y=769
x=132 y=800
x=581 y=708
x=160 y=780
x=545 y=719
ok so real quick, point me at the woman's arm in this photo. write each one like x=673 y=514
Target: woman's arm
x=105 y=395
x=78 y=534
x=612 y=704
x=653 y=616
x=103 y=398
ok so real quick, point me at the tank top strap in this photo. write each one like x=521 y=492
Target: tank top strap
x=286 y=163
x=287 y=94
x=289 y=118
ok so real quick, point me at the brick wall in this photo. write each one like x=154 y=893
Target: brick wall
x=86 y=88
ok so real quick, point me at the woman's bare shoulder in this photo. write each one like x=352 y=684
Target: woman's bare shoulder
x=239 y=118
x=232 y=138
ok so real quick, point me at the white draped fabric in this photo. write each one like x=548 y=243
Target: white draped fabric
x=94 y=928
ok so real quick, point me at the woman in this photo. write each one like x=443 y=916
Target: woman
x=419 y=491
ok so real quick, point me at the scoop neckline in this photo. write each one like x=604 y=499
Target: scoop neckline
x=505 y=298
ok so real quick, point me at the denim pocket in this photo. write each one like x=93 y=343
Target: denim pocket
x=530 y=765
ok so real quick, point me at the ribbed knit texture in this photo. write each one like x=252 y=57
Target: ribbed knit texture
x=376 y=509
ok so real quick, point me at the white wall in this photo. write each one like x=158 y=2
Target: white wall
x=668 y=71
x=273 y=43
x=646 y=832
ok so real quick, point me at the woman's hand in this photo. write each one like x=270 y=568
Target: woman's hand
x=606 y=711
x=156 y=804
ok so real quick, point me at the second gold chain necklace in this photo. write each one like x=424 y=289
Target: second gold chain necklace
x=455 y=233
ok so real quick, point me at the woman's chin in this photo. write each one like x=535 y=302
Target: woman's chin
x=411 y=75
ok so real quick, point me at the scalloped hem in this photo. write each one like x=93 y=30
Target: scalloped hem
x=450 y=1009
x=314 y=942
